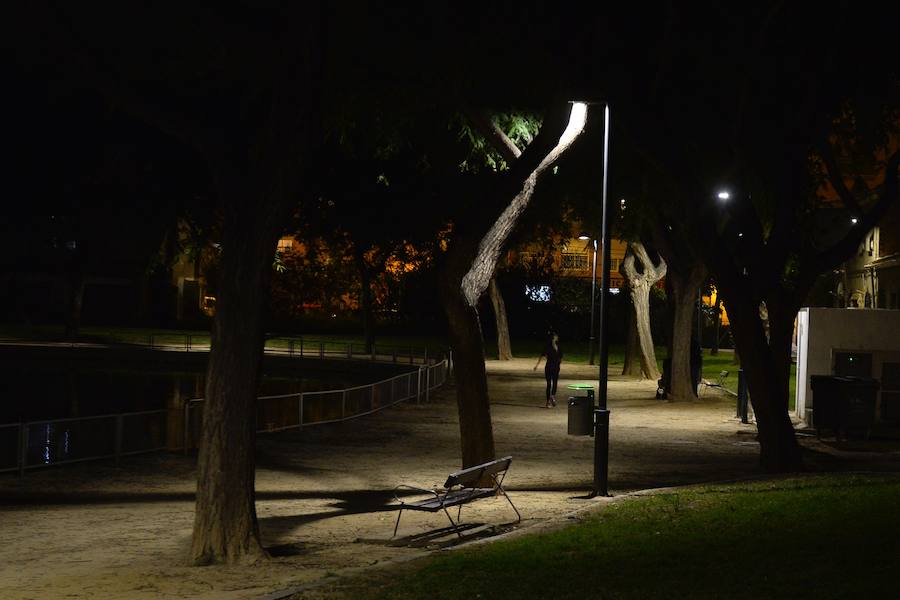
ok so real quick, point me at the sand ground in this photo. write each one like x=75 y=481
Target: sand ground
x=324 y=493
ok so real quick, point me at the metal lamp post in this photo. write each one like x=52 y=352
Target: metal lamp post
x=601 y=413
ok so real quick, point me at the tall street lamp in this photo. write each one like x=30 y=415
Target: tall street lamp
x=601 y=414
x=584 y=236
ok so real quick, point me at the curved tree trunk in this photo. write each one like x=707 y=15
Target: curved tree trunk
x=471 y=262
x=504 y=348
x=684 y=297
x=225 y=523
x=639 y=283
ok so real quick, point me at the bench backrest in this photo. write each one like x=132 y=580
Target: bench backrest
x=471 y=476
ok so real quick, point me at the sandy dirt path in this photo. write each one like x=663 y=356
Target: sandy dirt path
x=324 y=493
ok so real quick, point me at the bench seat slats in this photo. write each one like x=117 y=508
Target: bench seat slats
x=451 y=499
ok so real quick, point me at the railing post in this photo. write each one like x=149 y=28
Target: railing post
x=291 y=348
x=118 y=437
x=449 y=362
x=322 y=350
x=23 y=448
x=187 y=342
x=301 y=347
x=427 y=383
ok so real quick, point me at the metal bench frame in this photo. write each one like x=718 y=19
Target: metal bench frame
x=460 y=488
x=720 y=382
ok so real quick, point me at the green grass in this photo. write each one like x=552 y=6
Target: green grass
x=813 y=537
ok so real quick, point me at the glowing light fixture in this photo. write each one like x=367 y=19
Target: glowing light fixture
x=854 y=220
x=577 y=119
x=723 y=195
x=584 y=236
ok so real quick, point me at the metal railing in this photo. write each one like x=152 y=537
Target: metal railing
x=280 y=345
x=35 y=444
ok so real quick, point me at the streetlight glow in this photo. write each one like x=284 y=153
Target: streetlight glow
x=584 y=236
x=723 y=195
x=854 y=220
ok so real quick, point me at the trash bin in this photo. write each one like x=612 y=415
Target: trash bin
x=843 y=403
x=581 y=415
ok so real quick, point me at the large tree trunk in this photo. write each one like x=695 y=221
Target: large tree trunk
x=475 y=427
x=504 y=348
x=225 y=522
x=639 y=282
x=767 y=369
x=632 y=366
x=684 y=303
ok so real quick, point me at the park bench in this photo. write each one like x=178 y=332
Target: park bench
x=460 y=488
x=719 y=383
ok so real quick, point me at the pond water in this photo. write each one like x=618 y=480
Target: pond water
x=55 y=389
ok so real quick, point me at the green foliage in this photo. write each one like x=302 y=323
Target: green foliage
x=520 y=128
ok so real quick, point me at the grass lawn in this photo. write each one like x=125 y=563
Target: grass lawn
x=816 y=537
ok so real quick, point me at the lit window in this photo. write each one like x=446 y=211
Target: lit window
x=574 y=262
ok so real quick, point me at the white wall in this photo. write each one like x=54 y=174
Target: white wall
x=821 y=332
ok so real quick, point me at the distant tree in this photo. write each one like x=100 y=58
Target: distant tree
x=640 y=279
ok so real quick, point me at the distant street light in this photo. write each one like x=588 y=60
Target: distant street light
x=723 y=195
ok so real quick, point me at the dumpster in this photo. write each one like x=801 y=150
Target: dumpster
x=843 y=404
x=581 y=415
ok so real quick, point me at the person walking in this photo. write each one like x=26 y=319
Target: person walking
x=553 y=354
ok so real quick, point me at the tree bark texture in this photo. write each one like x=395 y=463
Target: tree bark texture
x=766 y=366
x=225 y=523
x=632 y=366
x=504 y=348
x=475 y=427
x=639 y=284
x=684 y=303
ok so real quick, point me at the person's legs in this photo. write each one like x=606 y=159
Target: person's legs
x=550 y=386
x=552 y=379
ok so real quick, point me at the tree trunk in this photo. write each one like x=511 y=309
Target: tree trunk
x=641 y=301
x=225 y=523
x=365 y=303
x=718 y=314
x=767 y=369
x=639 y=283
x=632 y=366
x=504 y=348
x=475 y=427
x=684 y=297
